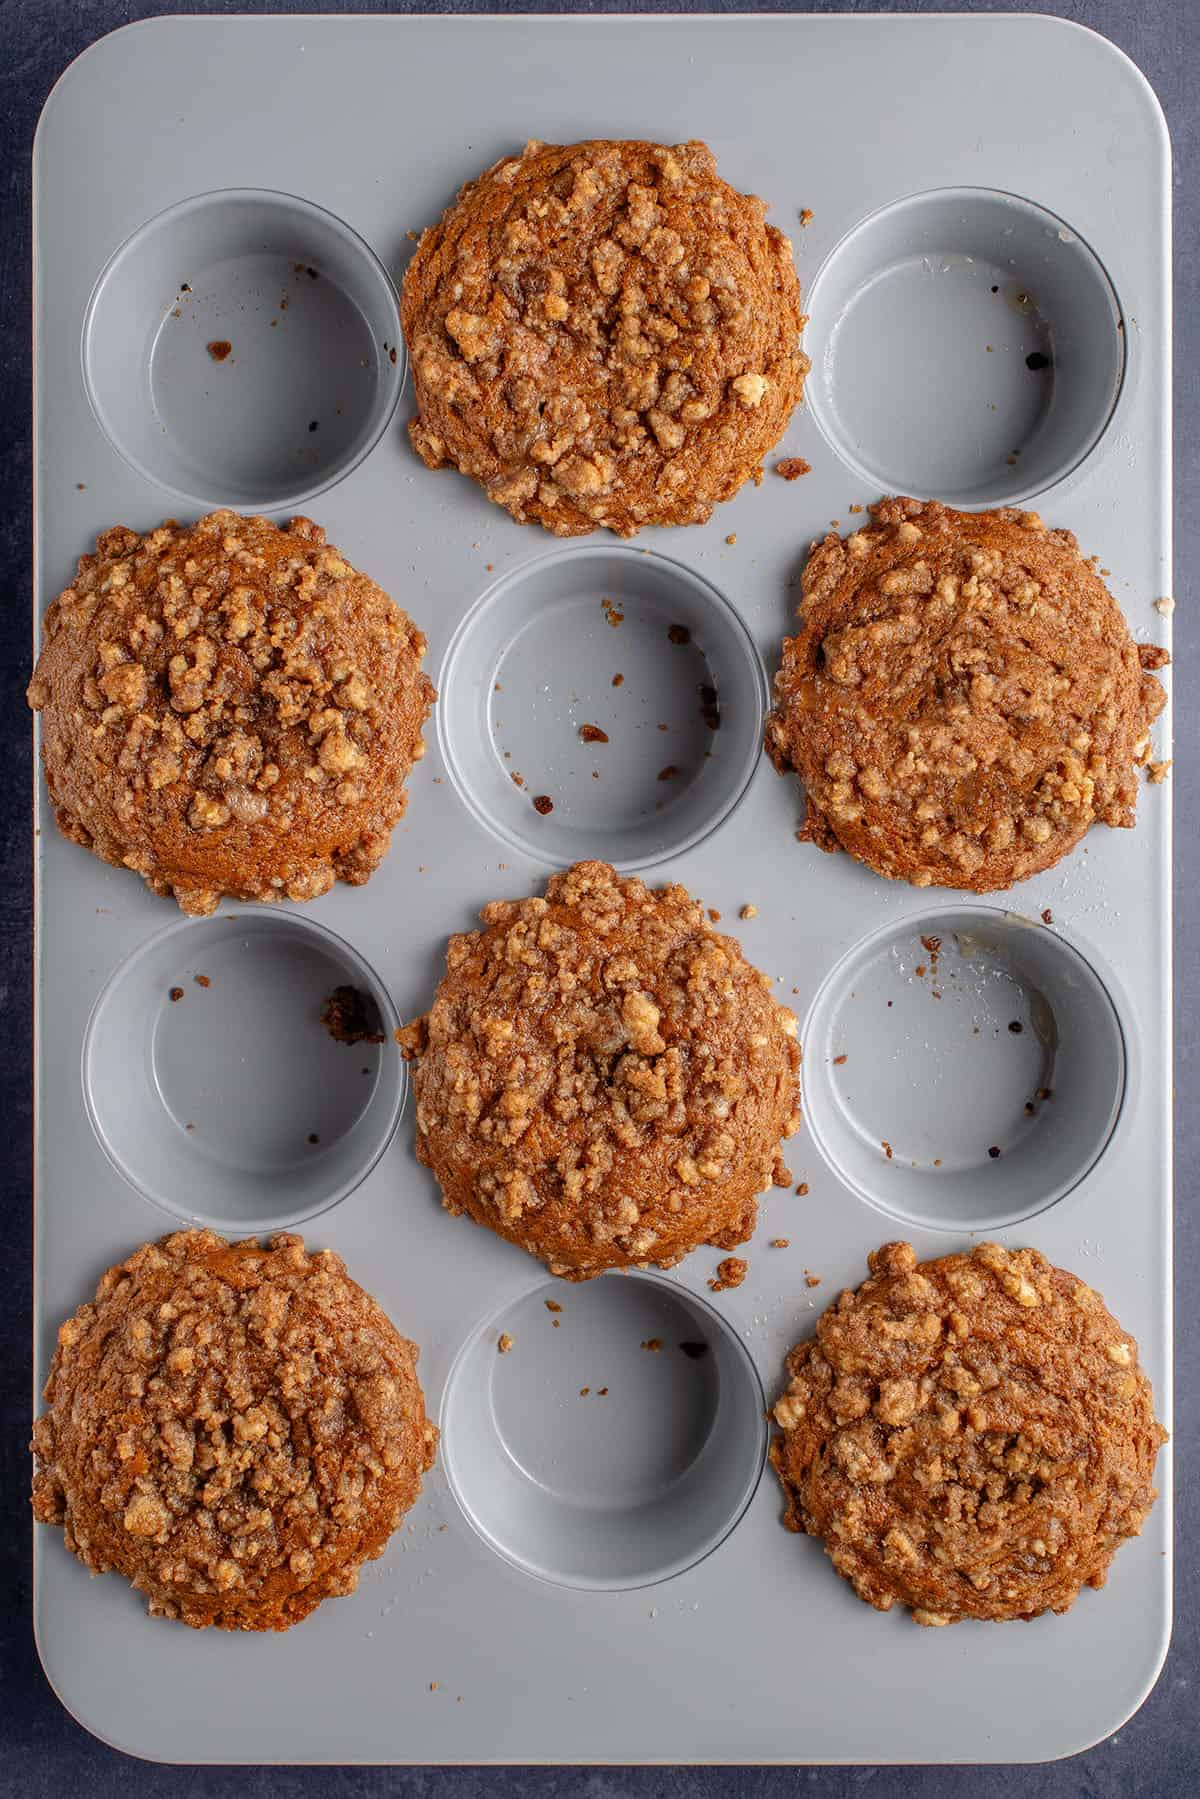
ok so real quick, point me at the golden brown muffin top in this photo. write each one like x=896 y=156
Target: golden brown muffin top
x=603 y=1078
x=603 y=333
x=963 y=698
x=229 y=707
x=235 y=1429
x=972 y=1437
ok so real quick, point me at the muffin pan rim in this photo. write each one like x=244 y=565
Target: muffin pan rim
x=1068 y=469
x=715 y=600
x=474 y=1341
x=1107 y=990
x=255 y=917
x=302 y=493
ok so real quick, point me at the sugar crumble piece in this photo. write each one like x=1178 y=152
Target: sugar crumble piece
x=792 y=467
x=730 y=1273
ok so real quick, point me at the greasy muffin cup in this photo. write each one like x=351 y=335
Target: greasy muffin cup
x=604 y=702
x=215 y=1084
x=243 y=349
x=964 y=1069
x=971 y=345
x=605 y=1438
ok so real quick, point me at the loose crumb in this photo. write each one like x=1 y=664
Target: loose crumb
x=679 y=634
x=552 y=1305
x=806 y=217
x=731 y=539
x=781 y=1174
x=994 y=1151
x=504 y=1342
x=1047 y=916
x=202 y=980
x=714 y=915
x=543 y=804
x=886 y=1147
x=175 y=993
x=792 y=467
x=613 y=614
x=748 y=912
x=838 y=1060
x=1164 y=607
x=1157 y=772
x=351 y=1016
x=855 y=510
x=670 y=771
x=219 y=349
x=593 y=734
x=810 y=1279
x=618 y=680
x=730 y=1273
x=802 y=1189
x=653 y=1344
x=780 y=1242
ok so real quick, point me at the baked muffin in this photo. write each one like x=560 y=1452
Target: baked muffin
x=603 y=333
x=971 y=1437
x=963 y=698
x=602 y=1078
x=229 y=708
x=234 y=1429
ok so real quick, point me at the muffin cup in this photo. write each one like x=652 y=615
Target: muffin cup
x=243 y=349
x=601 y=702
x=215 y=1089
x=615 y=1443
x=963 y=1070
x=968 y=347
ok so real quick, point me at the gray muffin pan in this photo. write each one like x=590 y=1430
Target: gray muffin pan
x=596 y=1570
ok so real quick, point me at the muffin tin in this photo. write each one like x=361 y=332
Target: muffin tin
x=596 y=1570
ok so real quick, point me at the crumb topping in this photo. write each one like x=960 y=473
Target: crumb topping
x=963 y=699
x=235 y=1429
x=603 y=334
x=229 y=707
x=602 y=1077
x=971 y=1437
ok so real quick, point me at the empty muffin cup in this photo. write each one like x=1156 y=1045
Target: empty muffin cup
x=602 y=702
x=964 y=1070
x=243 y=349
x=227 y=1075
x=606 y=1435
x=968 y=346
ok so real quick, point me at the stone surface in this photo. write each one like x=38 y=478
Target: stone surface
x=43 y=1753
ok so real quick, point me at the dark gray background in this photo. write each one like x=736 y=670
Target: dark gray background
x=42 y=1751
